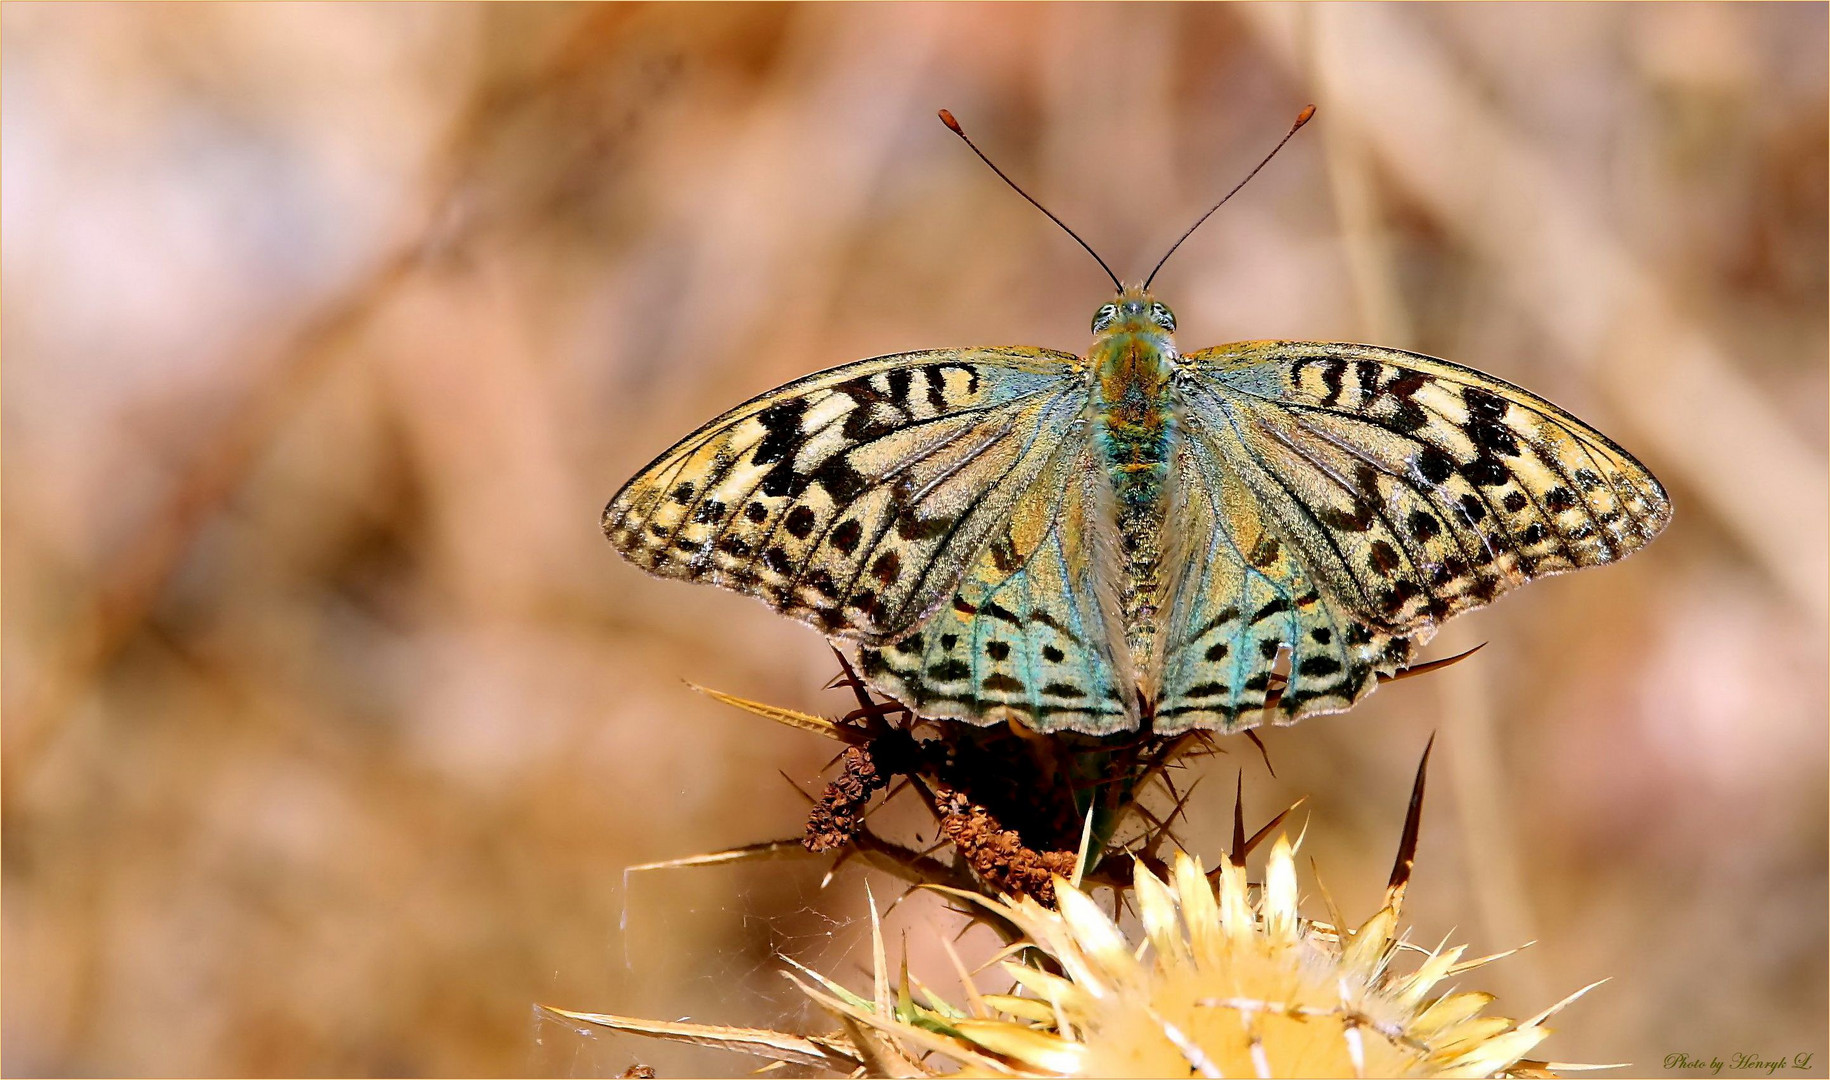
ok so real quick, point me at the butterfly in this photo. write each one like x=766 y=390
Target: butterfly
x=1136 y=537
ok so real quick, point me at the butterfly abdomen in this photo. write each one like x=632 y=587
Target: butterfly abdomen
x=1135 y=426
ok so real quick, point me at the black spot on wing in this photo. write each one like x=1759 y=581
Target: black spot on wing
x=782 y=430
x=1486 y=425
x=1003 y=556
x=949 y=671
x=1407 y=416
x=934 y=376
x=799 y=522
x=887 y=568
x=1332 y=374
x=782 y=481
x=909 y=526
x=839 y=479
x=1405 y=385
x=1434 y=465
x=999 y=611
x=1273 y=607
x=821 y=582
x=1357 y=519
x=1486 y=472
x=1317 y=666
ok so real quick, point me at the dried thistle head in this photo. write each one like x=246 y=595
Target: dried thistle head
x=1224 y=978
x=1228 y=981
x=1017 y=808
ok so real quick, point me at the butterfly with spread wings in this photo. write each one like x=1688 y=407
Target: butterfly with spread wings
x=1139 y=536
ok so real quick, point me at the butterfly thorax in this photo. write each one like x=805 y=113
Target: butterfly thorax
x=1133 y=360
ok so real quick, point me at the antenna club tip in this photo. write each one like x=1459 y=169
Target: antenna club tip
x=1304 y=116
x=952 y=124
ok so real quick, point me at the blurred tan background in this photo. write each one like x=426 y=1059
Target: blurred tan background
x=331 y=722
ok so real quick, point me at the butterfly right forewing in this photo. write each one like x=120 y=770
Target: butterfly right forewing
x=852 y=499
x=1437 y=460
x=1406 y=490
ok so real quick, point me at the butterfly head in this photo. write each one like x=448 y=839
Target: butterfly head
x=1134 y=311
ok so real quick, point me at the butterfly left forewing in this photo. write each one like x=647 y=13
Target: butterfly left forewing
x=852 y=499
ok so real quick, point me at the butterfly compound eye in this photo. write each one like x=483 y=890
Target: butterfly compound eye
x=1162 y=316
x=1104 y=317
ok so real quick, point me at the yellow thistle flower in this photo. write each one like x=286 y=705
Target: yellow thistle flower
x=1228 y=980
x=1225 y=983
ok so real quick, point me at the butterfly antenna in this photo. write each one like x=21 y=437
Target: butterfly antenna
x=953 y=126
x=1301 y=119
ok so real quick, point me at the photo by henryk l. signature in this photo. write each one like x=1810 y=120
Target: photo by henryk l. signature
x=1742 y=1062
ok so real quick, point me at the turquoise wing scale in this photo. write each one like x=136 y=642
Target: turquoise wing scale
x=1334 y=504
x=855 y=499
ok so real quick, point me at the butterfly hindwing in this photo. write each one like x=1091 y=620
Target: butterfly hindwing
x=1404 y=489
x=1029 y=634
x=852 y=499
x=1244 y=593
